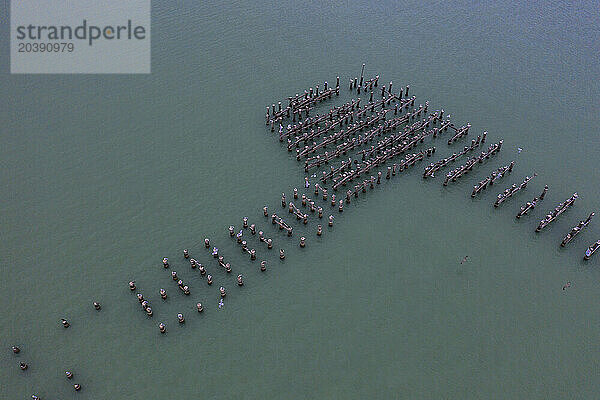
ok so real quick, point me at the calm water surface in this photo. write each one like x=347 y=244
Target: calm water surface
x=105 y=175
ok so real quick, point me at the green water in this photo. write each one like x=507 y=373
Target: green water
x=102 y=176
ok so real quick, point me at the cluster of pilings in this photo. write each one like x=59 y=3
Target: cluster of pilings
x=530 y=205
x=458 y=133
x=304 y=132
x=347 y=136
x=558 y=210
x=321 y=145
x=322 y=139
x=203 y=273
x=511 y=191
x=275 y=219
x=410 y=137
x=301 y=216
x=431 y=169
x=365 y=167
x=490 y=180
x=501 y=172
x=336 y=116
x=145 y=304
x=368 y=84
x=453 y=175
x=300 y=103
x=357 y=143
x=353 y=141
x=576 y=230
x=395 y=125
x=353 y=146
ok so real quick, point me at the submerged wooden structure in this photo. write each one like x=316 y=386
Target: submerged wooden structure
x=348 y=150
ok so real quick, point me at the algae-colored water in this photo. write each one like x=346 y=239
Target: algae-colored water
x=103 y=175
